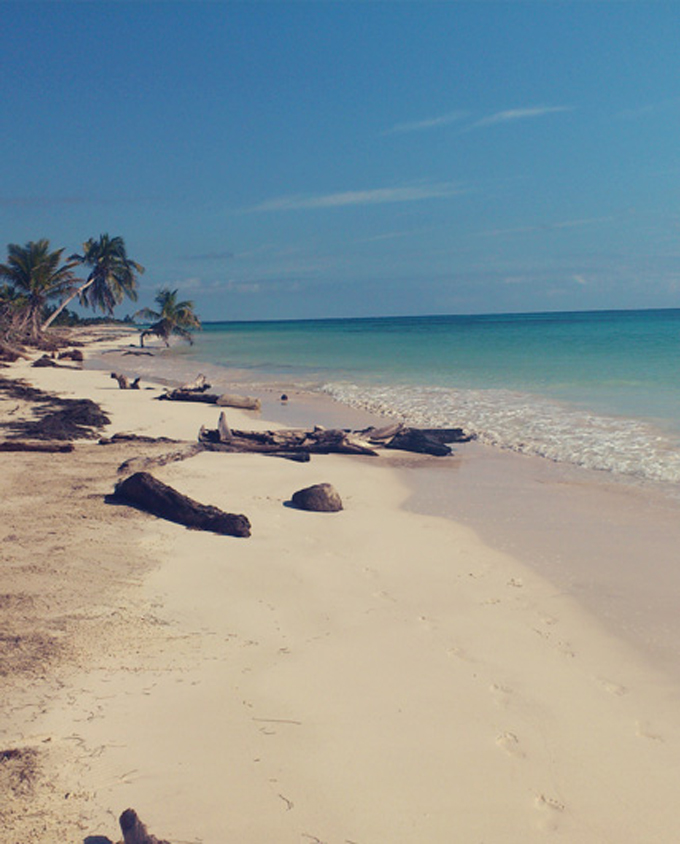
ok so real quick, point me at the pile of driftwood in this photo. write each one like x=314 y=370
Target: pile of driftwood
x=145 y=492
x=288 y=442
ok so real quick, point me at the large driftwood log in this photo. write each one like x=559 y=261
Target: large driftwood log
x=148 y=493
x=134 y=831
x=46 y=448
x=241 y=402
x=225 y=400
x=420 y=440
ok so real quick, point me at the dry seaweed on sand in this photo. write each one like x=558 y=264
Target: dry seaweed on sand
x=56 y=418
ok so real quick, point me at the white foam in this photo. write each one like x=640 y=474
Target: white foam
x=528 y=424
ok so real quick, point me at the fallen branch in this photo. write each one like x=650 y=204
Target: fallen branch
x=139 y=464
x=135 y=438
x=45 y=448
x=149 y=494
x=224 y=400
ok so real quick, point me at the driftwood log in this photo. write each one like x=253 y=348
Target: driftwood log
x=143 y=464
x=149 y=494
x=224 y=400
x=46 y=361
x=432 y=441
x=135 y=438
x=198 y=385
x=45 y=448
x=124 y=382
x=134 y=831
x=71 y=354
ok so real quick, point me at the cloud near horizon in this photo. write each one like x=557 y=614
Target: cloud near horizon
x=376 y=196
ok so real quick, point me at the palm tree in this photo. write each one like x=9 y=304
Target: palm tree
x=173 y=317
x=35 y=276
x=112 y=278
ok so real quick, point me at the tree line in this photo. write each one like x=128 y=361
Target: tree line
x=38 y=285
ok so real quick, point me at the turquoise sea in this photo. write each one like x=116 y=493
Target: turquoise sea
x=597 y=389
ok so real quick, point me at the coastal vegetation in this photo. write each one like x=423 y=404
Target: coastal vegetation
x=112 y=277
x=34 y=275
x=37 y=284
x=171 y=318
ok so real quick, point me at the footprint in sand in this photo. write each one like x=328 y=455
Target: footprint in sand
x=643 y=730
x=459 y=653
x=502 y=694
x=550 y=811
x=510 y=744
x=613 y=688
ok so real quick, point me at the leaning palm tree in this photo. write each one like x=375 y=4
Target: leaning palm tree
x=112 y=278
x=173 y=317
x=35 y=276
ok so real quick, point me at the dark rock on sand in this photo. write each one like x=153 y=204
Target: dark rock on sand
x=321 y=498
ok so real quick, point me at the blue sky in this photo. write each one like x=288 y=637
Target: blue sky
x=321 y=159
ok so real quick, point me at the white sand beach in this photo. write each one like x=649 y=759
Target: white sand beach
x=373 y=676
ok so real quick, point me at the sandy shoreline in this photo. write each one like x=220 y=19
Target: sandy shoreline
x=377 y=675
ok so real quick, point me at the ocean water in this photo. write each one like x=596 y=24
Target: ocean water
x=596 y=389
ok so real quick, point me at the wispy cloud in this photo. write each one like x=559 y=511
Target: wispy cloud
x=514 y=114
x=375 y=196
x=425 y=125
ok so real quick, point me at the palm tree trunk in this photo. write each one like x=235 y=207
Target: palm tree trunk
x=66 y=302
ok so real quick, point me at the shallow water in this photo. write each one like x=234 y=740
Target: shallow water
x=599 y=389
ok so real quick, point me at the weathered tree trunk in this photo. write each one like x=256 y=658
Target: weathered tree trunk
x=242 y=402
x=150 y=494
x=46 y=448
x=134 y=831
x=135 y=438
x=187 y=395
x=139 y=464
x=225 y=400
